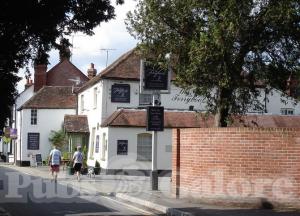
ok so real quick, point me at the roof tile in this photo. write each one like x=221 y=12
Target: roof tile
x=76 y=124
x=190 y=119
x=52 y=97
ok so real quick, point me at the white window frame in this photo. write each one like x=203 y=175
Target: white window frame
x=92 y=149
x=145 y=99
x=103 y=147
x=144 y=147
x=33 y=116
x=95 y=97
x=287 y=111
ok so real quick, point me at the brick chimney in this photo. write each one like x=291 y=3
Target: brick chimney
x=91 y=71
x=28 y=83
x=39 y=76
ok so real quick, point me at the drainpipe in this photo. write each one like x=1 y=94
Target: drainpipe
x=21 y=122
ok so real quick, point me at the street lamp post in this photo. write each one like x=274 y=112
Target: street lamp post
x=154 y=172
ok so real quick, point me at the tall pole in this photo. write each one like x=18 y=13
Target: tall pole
x=154 y=172
x=107 y=50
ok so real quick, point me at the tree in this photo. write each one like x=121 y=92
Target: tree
x=222 y=49
x=29 y=29
x=58 y=138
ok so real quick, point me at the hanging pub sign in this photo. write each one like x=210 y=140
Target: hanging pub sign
x=155 y=118
x=13 y=133
x=120 y=93
x=154 y=77
x=33 y=141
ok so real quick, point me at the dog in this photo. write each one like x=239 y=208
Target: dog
x=91 y=172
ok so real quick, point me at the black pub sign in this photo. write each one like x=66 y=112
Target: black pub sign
x=120 y=93
x=33 y=141
x=155 y=118
x=122 y=148
x=155 y=77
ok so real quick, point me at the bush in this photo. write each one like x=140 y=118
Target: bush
x=97 y=164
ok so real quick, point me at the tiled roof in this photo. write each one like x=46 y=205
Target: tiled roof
x=52 y=97
x=127 y=67
x=137 y=118
x=76 y=124
x=189 y=119
x=61 y=74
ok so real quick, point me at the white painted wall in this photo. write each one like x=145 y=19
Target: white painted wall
x=114 y=161
x=47 y=120
x=275 y=103
x=98 y=155
x=175 y=100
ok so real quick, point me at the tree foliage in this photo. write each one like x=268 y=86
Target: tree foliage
x=29 y=29
x=222 y=49
x=58 y=138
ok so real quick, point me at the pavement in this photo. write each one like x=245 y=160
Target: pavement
x=136 y=190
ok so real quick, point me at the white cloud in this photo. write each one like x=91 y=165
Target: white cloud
x=87 y=49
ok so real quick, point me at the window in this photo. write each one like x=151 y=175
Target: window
x=92 y=142
x=145 y=99
x=103 y=146
x=122 y=147
x=82 y=103
x=95 y=98
x=287 y=111
x=33 y=116
x=144 y=147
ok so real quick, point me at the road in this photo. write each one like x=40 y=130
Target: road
x=22 y=195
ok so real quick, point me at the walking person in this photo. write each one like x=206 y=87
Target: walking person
x=77 y=161
x=55 y=160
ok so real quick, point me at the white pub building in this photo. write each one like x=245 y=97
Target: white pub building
x=116 y=115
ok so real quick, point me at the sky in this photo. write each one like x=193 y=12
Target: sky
x=87 y=49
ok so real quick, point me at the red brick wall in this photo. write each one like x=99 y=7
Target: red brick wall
x=239 y=163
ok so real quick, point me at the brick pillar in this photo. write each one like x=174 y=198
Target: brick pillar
x=39 y=76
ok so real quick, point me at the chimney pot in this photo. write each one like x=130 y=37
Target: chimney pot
x=91 y=71
x=28 y=83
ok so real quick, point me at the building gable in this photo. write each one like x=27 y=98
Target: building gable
x=65 y=74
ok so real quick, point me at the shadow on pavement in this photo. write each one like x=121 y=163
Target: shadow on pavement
x=234 y=212
x=36 y=203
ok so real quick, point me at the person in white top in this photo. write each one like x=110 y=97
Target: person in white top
x=77 y=161
x=55 y=160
